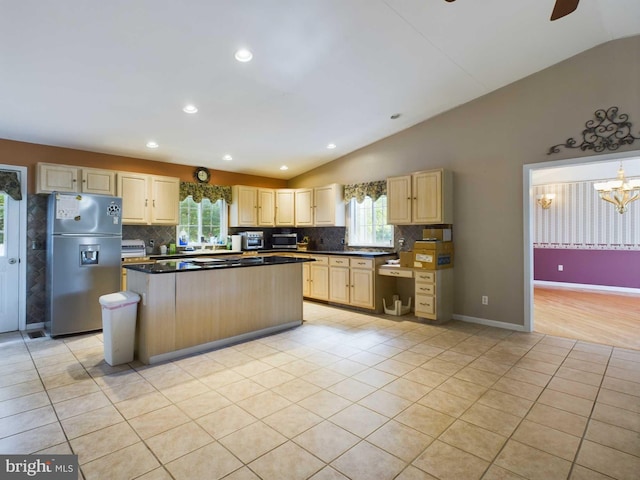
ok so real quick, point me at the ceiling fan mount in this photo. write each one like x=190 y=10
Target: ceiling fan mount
x=562 y=8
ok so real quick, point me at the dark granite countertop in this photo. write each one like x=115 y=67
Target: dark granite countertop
x=209 y=263
x=350 y=253
x=226 y=253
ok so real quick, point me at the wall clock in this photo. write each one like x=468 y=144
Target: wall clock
x=202 y=175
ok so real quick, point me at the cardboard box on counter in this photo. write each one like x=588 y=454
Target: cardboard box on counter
x=406 y=259
x=432 y=255
x=442 y=234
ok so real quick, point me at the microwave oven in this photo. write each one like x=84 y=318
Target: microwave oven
x=284 y=240
x=252 y=240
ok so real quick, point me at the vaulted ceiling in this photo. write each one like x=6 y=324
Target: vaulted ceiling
x=109 y=76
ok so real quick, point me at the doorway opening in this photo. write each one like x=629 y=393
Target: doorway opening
x=13 y=254
x=565 y=296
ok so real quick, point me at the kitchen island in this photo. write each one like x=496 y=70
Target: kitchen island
x=192 y=305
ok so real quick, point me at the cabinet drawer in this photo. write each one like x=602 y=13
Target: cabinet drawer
x=425 y=304
x=390 y=272
x=425 y=289
x=338 y=262
x=362 y=262
x=425 y=277
x=320 y=260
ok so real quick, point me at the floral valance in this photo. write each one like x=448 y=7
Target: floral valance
x=10 y=183
x=361 y=190
x=198 y=191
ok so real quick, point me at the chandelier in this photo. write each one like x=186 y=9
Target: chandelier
x=620 y=192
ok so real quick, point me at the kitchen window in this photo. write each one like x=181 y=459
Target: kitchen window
x=202 y=223
x=368 y=223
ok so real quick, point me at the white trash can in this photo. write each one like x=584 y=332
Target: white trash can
x=119 y=311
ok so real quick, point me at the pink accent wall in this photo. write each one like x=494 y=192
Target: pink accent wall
x=615 y=268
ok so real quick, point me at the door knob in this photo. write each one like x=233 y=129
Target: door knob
x=13 y=260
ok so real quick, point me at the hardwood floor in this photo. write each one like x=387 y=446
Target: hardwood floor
x=593 y=316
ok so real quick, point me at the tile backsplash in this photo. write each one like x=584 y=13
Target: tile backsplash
x=321 y=238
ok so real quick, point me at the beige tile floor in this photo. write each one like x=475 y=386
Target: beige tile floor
x=347 y=395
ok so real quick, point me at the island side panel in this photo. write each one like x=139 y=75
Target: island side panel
x=216 y=304
x=156 y=326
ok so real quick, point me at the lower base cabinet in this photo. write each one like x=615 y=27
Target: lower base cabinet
x=434 y=294
x=344 y=280
x=319 y=280
x=432 y=290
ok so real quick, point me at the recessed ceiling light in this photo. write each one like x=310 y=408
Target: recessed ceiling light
x=190 y=109
x=227 y=158
x=331 y=146
x=152 y=144
x=394 y=116
x=284 y=167
x=244 y=55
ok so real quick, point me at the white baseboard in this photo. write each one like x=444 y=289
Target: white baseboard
x=584 y=286
x=489 y=323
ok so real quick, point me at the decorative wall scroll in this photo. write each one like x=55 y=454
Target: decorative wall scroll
x=608 y=131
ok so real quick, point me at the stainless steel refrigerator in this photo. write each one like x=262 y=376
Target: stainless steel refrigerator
x=84 y=245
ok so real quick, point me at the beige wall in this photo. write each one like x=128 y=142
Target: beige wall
x=485 y=143
x=29 y=154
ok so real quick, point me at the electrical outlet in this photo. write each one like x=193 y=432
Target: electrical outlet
x=322 y=240
x=560 y=268
x=152 y=243
x=485 y=300
x=342 y=241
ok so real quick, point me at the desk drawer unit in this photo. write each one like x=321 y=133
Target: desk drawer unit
x=425 y=306
x=425 y=294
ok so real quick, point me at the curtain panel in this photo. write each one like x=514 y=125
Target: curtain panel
x=198 y=191
x=10 y=183
x=361 y=190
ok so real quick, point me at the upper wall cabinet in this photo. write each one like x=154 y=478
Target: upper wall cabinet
x=148 y=199
x=304 y=207
x=252 y=207
x=285 y=207
x=421 y=198
x=66 y=178
x=328 y=209
x=320 y=206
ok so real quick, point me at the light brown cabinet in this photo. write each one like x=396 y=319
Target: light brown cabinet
x=67 y=178
x=328 y=207
x=149 y=199
x=339 y=280
x=319 y=278
x=304 y=207
x=422 y=198
x=433 y=290
x=434 y=294
x=285 y=207
x=320 y=206
x=351 y=281
x=252 y=206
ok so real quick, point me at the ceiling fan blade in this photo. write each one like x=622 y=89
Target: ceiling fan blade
x=563 y=8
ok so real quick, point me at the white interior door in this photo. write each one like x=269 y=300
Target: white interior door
x=9 y=263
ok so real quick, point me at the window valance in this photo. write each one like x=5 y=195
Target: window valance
x=361 y=190
x=10 y=183
x=198 y=191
